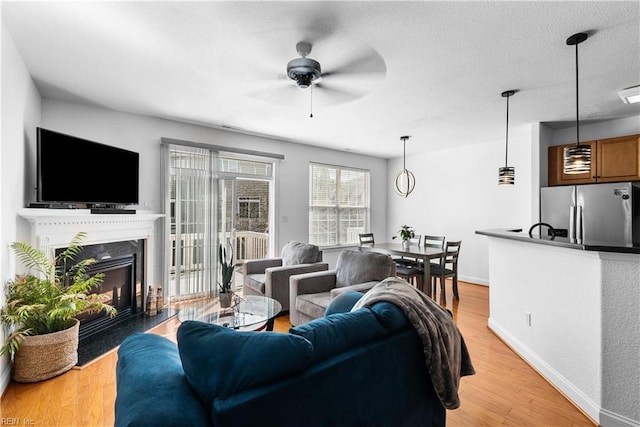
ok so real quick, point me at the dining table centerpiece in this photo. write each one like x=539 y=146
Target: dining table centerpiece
x=406 y=233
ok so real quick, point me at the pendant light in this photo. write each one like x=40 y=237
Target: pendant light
x=405 y=181
x=577 y=158
x=507 y=174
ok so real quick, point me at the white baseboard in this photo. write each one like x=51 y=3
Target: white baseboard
x=5 y=378
x=575 y=395
x=610 y=419
x=474 y=280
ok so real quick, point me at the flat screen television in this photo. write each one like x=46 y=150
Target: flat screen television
x=76 y=170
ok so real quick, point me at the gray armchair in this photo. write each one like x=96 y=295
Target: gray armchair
x=311 y=293
x=270 y=276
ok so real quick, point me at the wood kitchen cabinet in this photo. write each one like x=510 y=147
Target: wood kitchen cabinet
x=612 y=160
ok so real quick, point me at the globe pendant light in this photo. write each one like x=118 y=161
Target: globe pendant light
x=507 y=174
x=577 y=158
x=405 y=181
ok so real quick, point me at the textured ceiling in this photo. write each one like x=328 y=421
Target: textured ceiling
x=440 y=67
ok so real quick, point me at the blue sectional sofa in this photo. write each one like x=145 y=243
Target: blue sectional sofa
x=360 y=368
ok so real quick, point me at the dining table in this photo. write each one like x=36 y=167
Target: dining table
x=419 y=252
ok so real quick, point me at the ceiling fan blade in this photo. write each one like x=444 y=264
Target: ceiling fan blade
x=326 y=94
x=369 y=62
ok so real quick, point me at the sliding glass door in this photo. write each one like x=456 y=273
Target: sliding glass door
x=213 y=199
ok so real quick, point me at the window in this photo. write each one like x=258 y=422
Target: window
x=338 y=204
x=248 y=208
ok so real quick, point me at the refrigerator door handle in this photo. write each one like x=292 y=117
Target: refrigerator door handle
x=572 y=222
x=579 y=233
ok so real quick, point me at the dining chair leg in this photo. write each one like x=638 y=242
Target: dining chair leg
x=443 y=290
x=455 y=286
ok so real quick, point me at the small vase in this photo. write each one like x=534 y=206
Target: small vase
x=406 y=243
x=225 y=299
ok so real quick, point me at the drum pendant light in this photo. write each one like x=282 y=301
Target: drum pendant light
x=405 y=181
x=577 y=158
x=507 y=174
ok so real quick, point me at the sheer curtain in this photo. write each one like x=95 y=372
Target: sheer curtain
x=190 y=209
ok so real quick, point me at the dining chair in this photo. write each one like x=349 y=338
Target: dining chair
x=366 y=239
x=411 y=273
x=448 y=267
x=410 y=262
x=434 y=242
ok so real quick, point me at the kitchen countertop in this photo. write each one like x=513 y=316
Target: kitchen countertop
x=565 y=242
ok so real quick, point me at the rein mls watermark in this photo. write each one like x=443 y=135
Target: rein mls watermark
x=17 y=422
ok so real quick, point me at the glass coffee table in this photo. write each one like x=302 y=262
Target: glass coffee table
x=252 y=312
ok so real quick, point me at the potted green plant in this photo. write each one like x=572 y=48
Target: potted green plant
x=406 y=232
x=41 y=309
x=225 y=257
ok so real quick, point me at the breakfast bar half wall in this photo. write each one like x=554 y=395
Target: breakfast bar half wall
x=572 y=311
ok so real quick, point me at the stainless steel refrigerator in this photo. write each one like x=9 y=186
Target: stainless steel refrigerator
x=603 y=213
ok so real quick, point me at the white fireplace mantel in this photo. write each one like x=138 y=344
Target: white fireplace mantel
x=51 y=229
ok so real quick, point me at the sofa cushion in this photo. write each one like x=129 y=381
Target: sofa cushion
x=256 y=282
x=151 y=362
x=355 y=267
x=337 y=333
x=219 y=361
x=313 y=305
x=294 y=253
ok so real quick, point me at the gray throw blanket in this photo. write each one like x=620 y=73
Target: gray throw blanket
x=445 y=352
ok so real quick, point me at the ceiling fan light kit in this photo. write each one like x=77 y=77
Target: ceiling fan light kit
x=304 y=71
x=405 y=181
x=507 y=174
x=577 y=158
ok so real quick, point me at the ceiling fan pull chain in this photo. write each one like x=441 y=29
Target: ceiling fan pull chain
x=311 y=101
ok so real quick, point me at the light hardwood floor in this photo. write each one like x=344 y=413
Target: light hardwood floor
x=504 y=391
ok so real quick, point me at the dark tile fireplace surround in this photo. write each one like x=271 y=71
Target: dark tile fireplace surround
x=122 y=264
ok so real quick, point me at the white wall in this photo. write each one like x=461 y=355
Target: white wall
x=20 y=116
x=142 y=134
x=561 y=289
x=600 y=130
x=457 y=193
x=583 y=336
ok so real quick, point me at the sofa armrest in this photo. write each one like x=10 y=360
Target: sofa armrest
x=258 y=266
x=311 y=283
x=151 y=387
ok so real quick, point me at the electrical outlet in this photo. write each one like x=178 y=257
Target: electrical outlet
x=527 y=318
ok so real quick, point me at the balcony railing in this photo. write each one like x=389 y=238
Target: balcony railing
x=251 y=245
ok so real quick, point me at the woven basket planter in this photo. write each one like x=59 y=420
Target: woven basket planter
x=41 y=357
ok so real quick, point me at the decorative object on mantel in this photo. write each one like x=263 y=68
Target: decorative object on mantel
x=507 y=174
x=225 y=257
x=577 y=158
x=405 y=181
x=406 y=233
x=42 y=307
x=159 y=300
x=151 y=309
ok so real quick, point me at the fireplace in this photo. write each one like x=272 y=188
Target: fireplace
x=121 y=286
x=109 y=237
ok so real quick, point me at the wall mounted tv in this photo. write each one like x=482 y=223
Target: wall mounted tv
x=76 y=170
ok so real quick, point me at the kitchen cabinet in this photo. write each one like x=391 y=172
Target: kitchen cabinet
x=612 y=160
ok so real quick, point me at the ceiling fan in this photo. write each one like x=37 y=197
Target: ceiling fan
x=352 y=70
